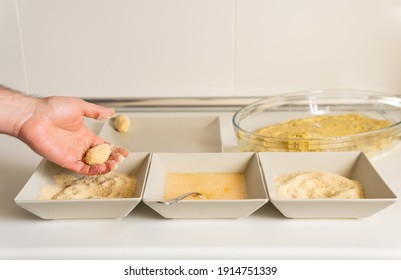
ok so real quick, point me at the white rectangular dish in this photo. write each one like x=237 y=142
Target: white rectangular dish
x=352 y=165
x=167 y=134
x=247 y=163
x=135 y=164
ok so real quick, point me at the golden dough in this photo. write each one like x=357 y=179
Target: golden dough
x=307 y=134
x=121 y=123
x=323 y=126
x=98 y=154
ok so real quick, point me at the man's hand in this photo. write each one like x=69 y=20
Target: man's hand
x=55 y=130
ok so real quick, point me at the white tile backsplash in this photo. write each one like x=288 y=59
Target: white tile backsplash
x=284 y=46
x=119 y=48
x=198 y=48
x=12 y=72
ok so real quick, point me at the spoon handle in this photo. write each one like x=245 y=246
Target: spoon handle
x=178 y=198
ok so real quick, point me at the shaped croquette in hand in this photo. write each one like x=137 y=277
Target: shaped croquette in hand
x=98 y=154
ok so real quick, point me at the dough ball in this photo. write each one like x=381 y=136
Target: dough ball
x=98 y=154
x=121 y=123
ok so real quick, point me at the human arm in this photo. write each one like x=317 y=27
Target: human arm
x=54 y=128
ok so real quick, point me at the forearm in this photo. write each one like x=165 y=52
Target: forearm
x=15 y=109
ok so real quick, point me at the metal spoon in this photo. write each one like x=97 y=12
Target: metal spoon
x=179 y=198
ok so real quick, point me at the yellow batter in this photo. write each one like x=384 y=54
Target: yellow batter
x=211 y=185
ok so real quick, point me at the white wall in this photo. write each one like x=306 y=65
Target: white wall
x=12 y=70
x=160 y=48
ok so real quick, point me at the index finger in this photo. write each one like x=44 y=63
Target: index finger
x=95 y=111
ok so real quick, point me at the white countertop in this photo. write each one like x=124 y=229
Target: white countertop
x=143 y=234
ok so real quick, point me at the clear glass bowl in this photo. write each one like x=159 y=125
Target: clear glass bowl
x=277 y=109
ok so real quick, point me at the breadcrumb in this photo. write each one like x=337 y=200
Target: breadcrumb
x=110 y=185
